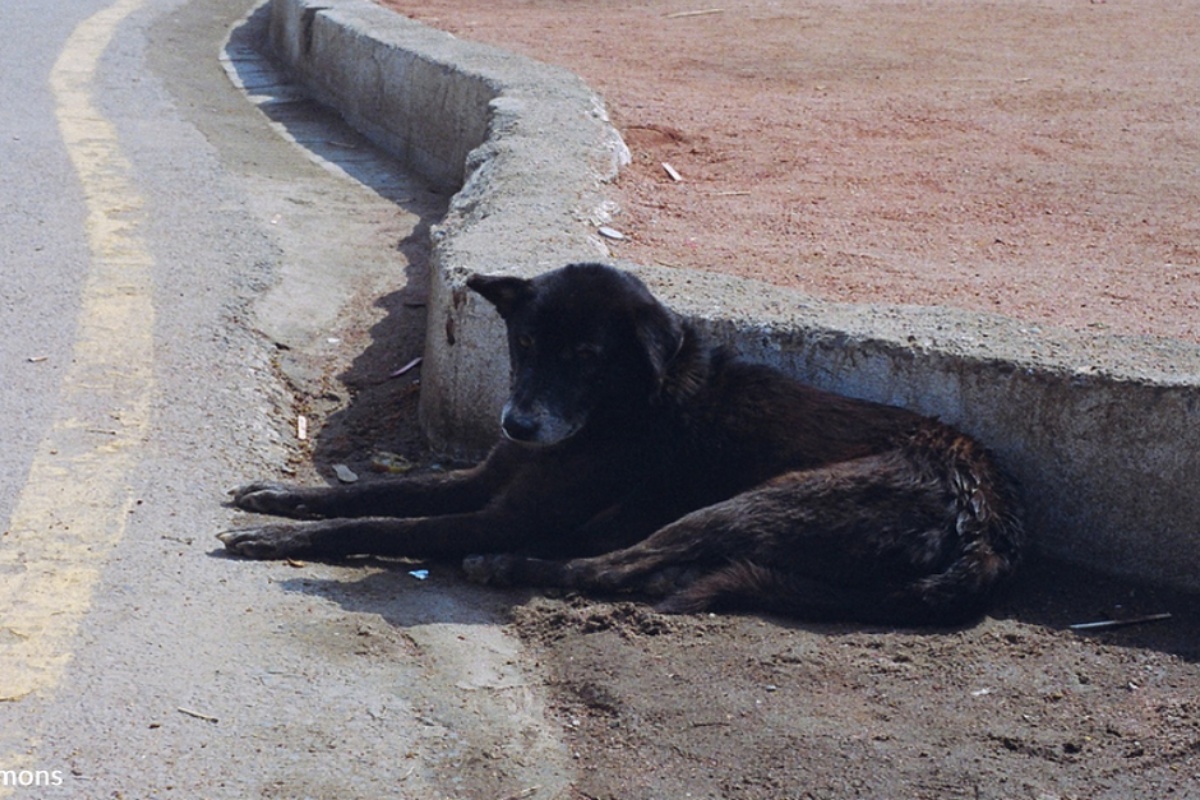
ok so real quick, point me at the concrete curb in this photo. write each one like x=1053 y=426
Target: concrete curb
x=1102 y=432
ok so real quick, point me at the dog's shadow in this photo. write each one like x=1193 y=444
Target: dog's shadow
x=1056 y=595
x=409 y=593
x=1048 y=594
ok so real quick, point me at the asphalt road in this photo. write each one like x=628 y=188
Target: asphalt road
x=179 y=269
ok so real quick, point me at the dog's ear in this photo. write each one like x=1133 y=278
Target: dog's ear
x=506 y=293
x=661 y=335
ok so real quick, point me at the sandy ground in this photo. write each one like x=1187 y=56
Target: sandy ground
x=1036 y=159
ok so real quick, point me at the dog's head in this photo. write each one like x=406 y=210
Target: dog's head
x=588 y=343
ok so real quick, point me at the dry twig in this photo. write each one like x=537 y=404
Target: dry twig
x=700 y=13
x=1118 y=623
x=196 y=714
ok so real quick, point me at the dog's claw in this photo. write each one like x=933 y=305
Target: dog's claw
x=494 y=570
x=265 y=497
x=475 y=569
x=266 y=542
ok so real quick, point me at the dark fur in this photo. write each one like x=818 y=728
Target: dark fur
x=636 y=458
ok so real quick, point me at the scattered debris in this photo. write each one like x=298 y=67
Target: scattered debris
x=416 y=362
x=610 y=233
x=672 y=172
x=345 y=474
x=37 y=359
x=197 y=714
x=1118 y=623
x=302 y=427
x=419 y=574
x=393 y=463
x=291 y=562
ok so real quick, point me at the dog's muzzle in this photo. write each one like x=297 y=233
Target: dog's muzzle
x=535 y=427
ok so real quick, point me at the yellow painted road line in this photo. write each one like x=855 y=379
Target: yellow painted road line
x=75 y=503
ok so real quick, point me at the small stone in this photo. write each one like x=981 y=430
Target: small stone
x=344 y=473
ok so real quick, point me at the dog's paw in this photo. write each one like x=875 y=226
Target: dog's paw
x=268 y=541
x=494 y=569
x=265 y=497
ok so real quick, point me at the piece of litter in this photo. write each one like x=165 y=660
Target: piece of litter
x=416 y=362
x=671 y=171
x=610 y=233
x=419 y=574
x=981 y=692
x=344 y=473
x=1118 y=623
x=391 y=462
x=291 y=562
x=302 y=427
x=37 y=359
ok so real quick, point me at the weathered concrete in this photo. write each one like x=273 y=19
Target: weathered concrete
x=526 y=145
x=1102 y=432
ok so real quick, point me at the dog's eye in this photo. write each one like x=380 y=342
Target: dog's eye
x=525 y=341
x=587 y=352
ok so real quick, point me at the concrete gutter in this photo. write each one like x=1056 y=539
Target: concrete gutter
x=1102 y=432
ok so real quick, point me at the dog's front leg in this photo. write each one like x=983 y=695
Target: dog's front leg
x=455 y=492
x=451 y=536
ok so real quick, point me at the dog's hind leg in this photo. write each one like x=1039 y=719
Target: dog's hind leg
x=743 y=585
x=871 y=540
x=744 y=527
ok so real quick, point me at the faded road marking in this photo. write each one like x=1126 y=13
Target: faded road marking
x=74 y=505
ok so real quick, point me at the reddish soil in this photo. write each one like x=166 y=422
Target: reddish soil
x=1034 y=159
x=1037 y=159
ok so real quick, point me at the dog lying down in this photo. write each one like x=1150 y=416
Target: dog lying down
x=636 y=458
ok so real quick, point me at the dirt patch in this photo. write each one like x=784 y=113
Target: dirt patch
x=1035 y=159
x=745 y=707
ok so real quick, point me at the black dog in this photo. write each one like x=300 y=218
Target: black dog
x=652 y=463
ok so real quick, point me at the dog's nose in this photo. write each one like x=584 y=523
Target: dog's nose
x=520 y=427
